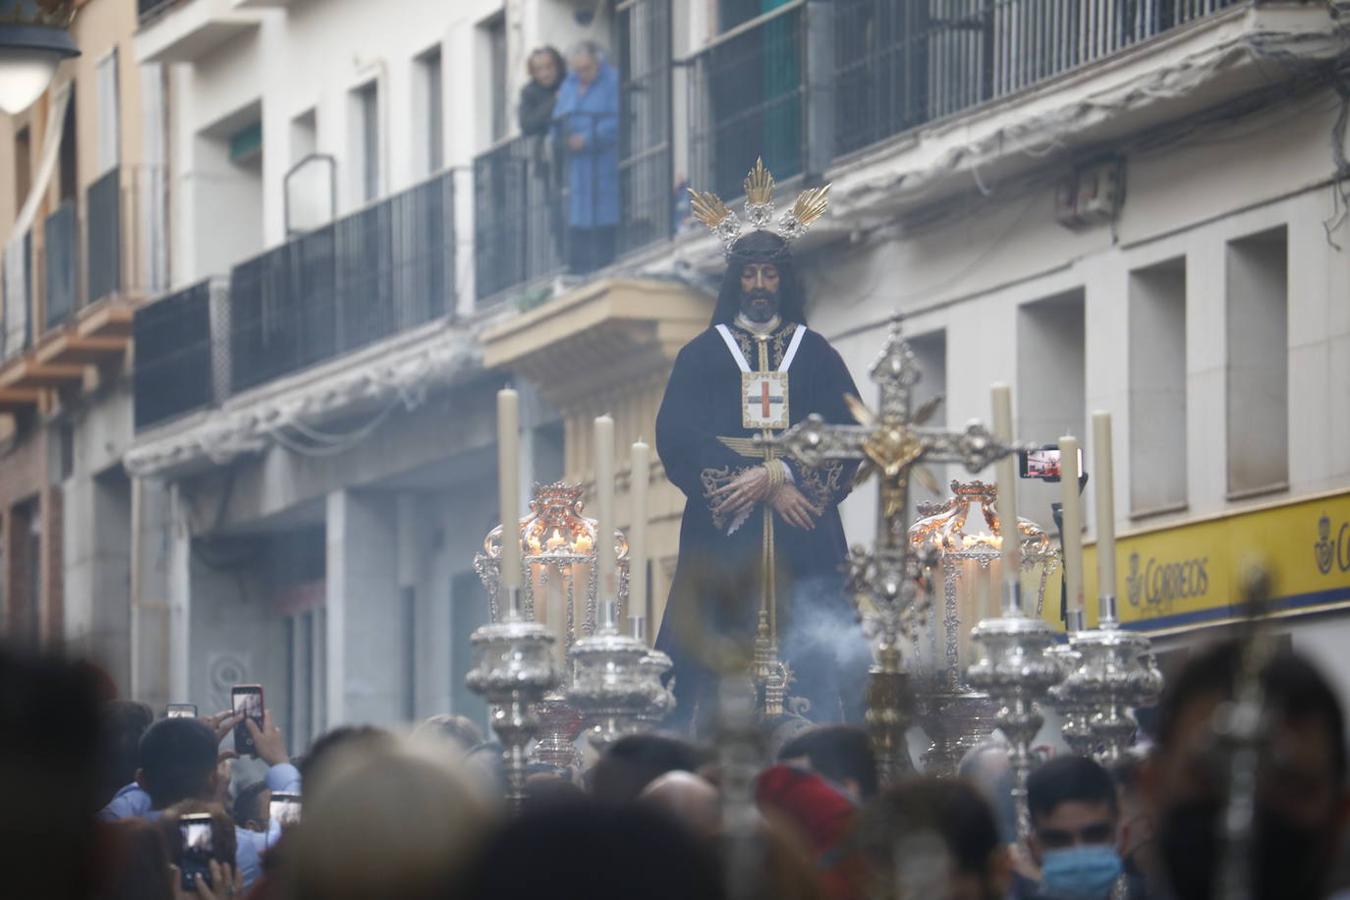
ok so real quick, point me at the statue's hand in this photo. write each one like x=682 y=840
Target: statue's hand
x=745 y=490
x=794 y=508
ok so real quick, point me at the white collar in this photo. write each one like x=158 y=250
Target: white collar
x=760 y=328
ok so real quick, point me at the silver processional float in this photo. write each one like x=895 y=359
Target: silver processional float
x=599 y=678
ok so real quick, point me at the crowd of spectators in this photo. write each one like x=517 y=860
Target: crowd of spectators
x=100 y=796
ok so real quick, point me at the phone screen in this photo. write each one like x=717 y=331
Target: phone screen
x=195 y=829
x=181 y=711
x=246 y=700
x=1043 y=463
x=284 y=809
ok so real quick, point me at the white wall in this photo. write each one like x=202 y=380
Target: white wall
x=970 y=273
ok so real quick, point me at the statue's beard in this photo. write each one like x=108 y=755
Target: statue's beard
x=759 y=305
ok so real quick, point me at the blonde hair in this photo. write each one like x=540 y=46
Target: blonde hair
x=390 y=822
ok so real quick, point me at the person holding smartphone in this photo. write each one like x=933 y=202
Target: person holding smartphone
x=178 y=761
x=203 y=847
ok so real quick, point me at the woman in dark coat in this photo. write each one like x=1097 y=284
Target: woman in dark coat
x=537 y=99
x=547 y=70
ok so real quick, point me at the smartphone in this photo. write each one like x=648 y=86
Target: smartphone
x=180 y=711
x=1043 y=463
x=284 y=809
x=198 y=842
x=246 y=700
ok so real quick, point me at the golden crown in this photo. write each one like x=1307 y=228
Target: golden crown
x=709 y=209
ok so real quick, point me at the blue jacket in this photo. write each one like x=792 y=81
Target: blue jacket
x=132 y=801
x=592 y=171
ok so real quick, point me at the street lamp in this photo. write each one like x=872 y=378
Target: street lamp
x=33 y=41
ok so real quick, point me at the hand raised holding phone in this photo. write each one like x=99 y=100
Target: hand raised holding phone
x=268 y=741
x=224 y=882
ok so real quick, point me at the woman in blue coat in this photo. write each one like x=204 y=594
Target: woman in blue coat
x=586 y=125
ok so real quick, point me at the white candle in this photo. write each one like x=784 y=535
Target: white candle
x=984 y=608
x=508 y=484
x=604 y=514
x=637 y=533
x=1073 y=526
x=1007 y=487
x=1106 y=511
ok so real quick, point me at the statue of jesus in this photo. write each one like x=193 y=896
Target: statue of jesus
x=759 y=531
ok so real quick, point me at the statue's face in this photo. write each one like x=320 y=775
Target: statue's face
x=759 y=291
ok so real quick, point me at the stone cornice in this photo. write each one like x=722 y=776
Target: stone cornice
x=598 y=337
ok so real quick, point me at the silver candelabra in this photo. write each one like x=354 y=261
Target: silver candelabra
x=1114 y=674
x=513 y=670
x=1016 y=673
x=956 y=718
x=616 y=682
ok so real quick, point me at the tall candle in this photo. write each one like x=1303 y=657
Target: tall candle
x=1073 y=528
x=604 y=514
x=1106 y=513
x=984 y=607
x=637 y=535
x=508 y=484
x=1007 y=493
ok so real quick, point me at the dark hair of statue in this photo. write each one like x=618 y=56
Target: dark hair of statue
x=761 y=247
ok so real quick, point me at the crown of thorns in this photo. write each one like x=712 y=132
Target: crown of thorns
x=709 y=209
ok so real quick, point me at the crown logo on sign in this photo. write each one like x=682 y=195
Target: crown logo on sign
x=709 y=209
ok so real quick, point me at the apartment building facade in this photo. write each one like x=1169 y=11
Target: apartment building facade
x=83 y=219
x=1131 y=206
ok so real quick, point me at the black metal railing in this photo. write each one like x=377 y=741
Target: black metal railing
x=746 y=100
x=16 y=298
x=544 y=205
x=173 y=373
x=375 y=273
x=103 y=235
x=646 y=160
x=898 y=63
x=147 y=8
x=59 y=233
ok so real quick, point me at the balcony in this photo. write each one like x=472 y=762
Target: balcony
x=375 y=273
x=899 y=64
x=184 y=30
x=68 y=307
x=62 y=265
x=542 y=209
x=747 y=99
x=174 y=373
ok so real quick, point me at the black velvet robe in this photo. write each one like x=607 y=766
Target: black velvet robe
x=716 y=590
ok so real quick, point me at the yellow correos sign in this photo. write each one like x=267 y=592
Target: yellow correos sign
x=1188 y=576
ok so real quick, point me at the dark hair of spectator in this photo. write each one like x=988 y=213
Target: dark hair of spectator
x=460 y=729
x=1293 y=687
x=644 y=854
x=1069 y=779
x=122 y=724
x=761 y=247
x=138 y=862
x=952 y=810
x=326 y=745
x=837 y=752
x=636 y=761
x=247 y=804
x=178 y=758
x=48 y=725
x=552 y=53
